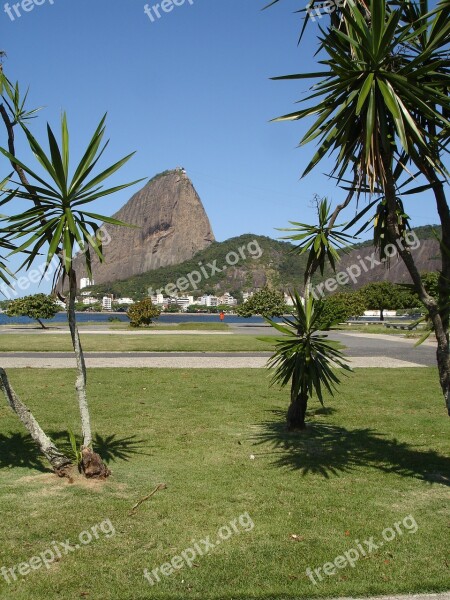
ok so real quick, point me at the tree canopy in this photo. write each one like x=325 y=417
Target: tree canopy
x=341 y=307
x=383 y=295
x=265 y=303
x=38 y=306
x=143 y=313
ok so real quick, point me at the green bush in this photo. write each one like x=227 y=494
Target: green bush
x=143 y=313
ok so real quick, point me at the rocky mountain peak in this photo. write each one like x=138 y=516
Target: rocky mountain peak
x=171 y=226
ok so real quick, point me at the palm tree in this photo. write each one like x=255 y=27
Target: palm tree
x=321 y=241
x=58 y=217
x=304 y=358
x=382 y=103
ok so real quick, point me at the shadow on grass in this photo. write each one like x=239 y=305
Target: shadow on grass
x=330 y=450
x=19 y=449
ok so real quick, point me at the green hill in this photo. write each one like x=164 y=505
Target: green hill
x=259 y=260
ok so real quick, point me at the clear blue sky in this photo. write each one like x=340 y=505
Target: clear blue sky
x=192 y=89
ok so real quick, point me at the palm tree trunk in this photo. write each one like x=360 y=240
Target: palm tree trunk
x=439 y=319
x=92 y=465
x=443 y=351
x=296 y=413
x=80 y=384
x=60 y=463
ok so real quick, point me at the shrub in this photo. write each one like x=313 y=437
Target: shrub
x=143 y=313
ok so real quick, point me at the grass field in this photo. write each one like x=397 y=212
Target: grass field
x=380 y=329
x=133 y=343
x=376 y=456
x=125 y=325
x=174 y=326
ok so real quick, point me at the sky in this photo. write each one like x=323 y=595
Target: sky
x=191 y=88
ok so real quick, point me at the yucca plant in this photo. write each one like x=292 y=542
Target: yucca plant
x=58 y=217
x=381 y=105
x=304 y=358
x=322 y=242
x=77 y=454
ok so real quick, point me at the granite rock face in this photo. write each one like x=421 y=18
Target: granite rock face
x=172 y=226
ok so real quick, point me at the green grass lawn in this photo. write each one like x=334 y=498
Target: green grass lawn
x=125 y=325
x=173 y=326
x=133 y=343
x=376 y=456
x=379 y=329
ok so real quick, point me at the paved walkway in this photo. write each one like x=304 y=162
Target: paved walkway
x=172 y=360
x=362 y=349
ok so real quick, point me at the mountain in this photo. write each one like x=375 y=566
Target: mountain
x=267 y=261
x=171 y=227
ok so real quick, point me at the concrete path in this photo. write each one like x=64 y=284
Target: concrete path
x=387 y=347
x=172 y=360
x=363 y=350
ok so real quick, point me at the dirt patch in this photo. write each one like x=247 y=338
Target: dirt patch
x=54 y=484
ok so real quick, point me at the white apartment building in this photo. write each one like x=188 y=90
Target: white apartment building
x=124 y=301
x=289 y=301
x=107 y=303
x=184 y=301
x=157 y=299
x=86 y=282
x=88 y=300
x=227 y=299
x=207 y=300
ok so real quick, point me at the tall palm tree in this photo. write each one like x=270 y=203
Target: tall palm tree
x=58 y=217
x=380 y=104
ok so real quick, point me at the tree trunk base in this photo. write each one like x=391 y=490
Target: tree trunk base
x=296 y=414
x=66 y=471
x=92 y=465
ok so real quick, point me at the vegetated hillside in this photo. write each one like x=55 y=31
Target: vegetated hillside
x=268 y=261
x=424 y=232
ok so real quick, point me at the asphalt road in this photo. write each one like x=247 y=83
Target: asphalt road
x=368 y=345
x=386 y=346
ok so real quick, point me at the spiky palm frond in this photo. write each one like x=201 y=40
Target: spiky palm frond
x=305 y=357
x=58 y=213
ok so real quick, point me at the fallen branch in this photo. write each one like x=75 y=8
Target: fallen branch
x=160 y=486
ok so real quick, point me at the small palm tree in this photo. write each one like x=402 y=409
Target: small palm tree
x=304 y=358
x=58 y=216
